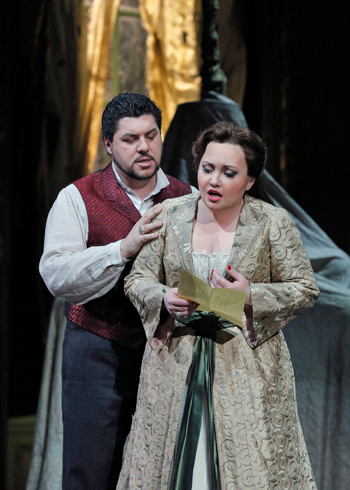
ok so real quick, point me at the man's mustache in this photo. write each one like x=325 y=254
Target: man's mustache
x=145 y=156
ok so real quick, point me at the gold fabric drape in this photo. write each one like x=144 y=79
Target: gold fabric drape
x=93 y=71
x=172 y=64
x=173 y=53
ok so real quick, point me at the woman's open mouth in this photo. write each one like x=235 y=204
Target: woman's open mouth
x=214 y=196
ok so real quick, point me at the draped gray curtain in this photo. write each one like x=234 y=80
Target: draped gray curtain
x=46 y=464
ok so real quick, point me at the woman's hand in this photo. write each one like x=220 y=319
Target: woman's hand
x=177 y=307
x=239 y=283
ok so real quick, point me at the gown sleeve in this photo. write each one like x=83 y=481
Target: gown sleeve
x=145 y=284
x=293 y=285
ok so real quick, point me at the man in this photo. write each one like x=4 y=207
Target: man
x=93 y=231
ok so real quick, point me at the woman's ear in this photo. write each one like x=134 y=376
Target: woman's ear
x=250 y=183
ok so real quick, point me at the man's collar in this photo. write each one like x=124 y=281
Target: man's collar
x=162 y=182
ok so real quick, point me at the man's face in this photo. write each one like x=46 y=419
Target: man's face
x=136 y=148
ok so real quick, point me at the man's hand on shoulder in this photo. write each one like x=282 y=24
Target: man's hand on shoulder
x=141 y=233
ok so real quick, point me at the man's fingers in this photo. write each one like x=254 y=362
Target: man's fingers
x=147 y=237
x=134 y=241
x=151 y=213
x=147 y=228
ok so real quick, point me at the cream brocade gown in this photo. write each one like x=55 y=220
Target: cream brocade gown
x=259 y=439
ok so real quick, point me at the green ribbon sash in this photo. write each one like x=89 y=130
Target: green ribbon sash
x=202 y=376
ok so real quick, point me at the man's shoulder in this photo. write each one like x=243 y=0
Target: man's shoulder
x=88 y=179
x=176 y=185
x=174 y=179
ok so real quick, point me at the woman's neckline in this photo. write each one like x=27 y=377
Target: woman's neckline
x=195 y=223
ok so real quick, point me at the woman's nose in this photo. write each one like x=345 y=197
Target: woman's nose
x=214 y=179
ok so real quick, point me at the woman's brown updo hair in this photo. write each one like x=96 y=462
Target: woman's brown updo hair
x=253 y=147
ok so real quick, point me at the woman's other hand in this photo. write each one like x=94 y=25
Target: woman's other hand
x=239 y=283
x=178 y=307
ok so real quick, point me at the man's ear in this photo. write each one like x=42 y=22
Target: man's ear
x=108 y=145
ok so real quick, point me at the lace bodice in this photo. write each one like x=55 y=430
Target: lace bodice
x=203 y=264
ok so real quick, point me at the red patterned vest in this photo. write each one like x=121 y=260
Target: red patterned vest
x=111 y=216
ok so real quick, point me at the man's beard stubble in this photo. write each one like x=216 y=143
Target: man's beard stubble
x=133 y=175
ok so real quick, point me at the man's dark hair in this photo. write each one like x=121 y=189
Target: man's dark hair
x=127 y=105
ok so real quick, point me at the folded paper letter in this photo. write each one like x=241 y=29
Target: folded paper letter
x=227 y=303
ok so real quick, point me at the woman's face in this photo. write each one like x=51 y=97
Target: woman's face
x=222 y=176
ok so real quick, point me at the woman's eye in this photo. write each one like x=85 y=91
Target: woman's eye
x=230 y=175
x=206 y=170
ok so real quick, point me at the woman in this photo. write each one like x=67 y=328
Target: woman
x=216 y=405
